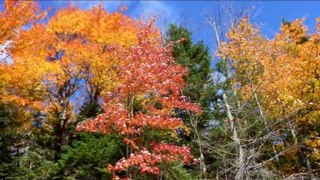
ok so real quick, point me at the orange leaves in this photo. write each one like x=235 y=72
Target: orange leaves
x=100 y=53
x=95 y=41
x=17 y=14
x=77 y=50
x=294 y=70
x=243 y=37
x=59 y=51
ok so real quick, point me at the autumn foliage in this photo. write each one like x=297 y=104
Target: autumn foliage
x=16 y=14
x=148 y=162
x=80 y=84
x=150 y=77
x=284 y=74
x=109 y=56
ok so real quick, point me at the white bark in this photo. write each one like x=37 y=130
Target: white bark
x=241 y=156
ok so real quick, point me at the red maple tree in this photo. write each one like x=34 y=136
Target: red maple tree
x=149 y=76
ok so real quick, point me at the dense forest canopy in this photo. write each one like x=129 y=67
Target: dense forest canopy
x=93 y=94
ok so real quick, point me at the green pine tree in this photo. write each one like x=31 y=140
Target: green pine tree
x=87 y=155
x=195 y=57
x=200 y=89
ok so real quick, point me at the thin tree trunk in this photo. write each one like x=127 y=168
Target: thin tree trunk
x=202 y=163
x=241 y=156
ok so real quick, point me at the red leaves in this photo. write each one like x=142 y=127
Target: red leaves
x=144 y=160
x=149 y=71
x=181 y=103
x=149 y=77
x=115 y=117
x=115 y=120
x=169 y=152
x=147 y=162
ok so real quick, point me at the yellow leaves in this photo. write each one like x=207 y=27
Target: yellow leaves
x=245 y=50
x=93 y=39
x=243 y=40
x=78 y=21
x=285 y=71
x=312 y=118
x=97 y=25
x=313 y=142
x=294 y=32
x=242 y=29
x=115 y=29
x=285 y=68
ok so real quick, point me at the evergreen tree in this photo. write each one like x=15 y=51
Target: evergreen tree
x=196 y=57
x=6 y=142
x=200 y=89
x=87 y=157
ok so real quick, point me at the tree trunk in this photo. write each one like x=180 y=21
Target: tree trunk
x=241 y=156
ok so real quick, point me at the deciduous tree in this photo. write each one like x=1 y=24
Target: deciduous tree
x=151 y=78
